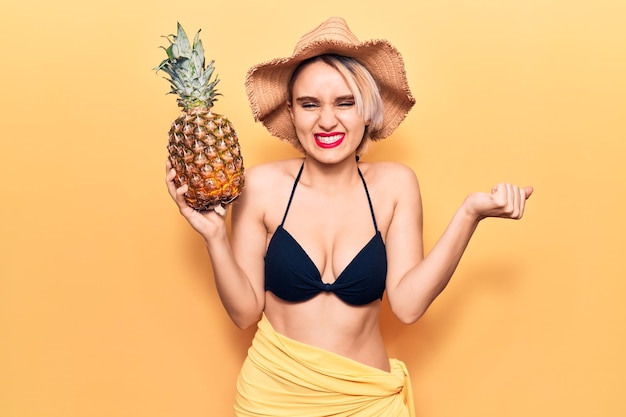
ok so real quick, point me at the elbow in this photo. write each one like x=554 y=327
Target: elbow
x=410 y=309
x=244 y=324
x=245 y=320
x=408 y=318
x=409 y=315
x=243 y=314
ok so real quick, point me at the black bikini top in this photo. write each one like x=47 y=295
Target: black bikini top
x=292 y=276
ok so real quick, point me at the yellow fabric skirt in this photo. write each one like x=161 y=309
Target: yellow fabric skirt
x=285 y=378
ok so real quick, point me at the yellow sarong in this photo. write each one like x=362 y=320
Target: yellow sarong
x=285 y=378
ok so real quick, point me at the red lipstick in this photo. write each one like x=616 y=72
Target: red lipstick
x=329 y=140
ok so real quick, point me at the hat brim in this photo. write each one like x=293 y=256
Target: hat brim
x=266 y=84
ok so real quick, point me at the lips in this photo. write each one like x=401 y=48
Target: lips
x=329 y=140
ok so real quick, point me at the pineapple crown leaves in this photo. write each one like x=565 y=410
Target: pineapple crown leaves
x=189 y=77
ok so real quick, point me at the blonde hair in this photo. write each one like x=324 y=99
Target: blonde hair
x=361 y=83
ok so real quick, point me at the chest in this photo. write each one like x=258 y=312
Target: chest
x=331 y=230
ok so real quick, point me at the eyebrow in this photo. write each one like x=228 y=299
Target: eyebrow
x=346 y=97
x=314 y=99
x=305 y=99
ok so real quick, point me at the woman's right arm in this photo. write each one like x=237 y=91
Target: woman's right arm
x=237 y=268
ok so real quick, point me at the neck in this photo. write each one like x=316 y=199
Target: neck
x=330 y=177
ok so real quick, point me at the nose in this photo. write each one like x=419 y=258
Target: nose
x=328 y=118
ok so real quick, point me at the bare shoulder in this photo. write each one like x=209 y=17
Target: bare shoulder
x=394 y=191
x=267 y=186
x=389 y=168
x=394 y=177
x=269 y=176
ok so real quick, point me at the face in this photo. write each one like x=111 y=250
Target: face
x=324 y=114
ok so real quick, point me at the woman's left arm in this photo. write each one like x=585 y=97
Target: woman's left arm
x=414 y=281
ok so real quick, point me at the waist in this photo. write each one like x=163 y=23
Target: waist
x=283 y=377
x=328 y=323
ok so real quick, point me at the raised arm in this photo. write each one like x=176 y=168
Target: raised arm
x=238 y=279
x=415 y=281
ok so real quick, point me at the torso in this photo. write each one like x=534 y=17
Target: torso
x=337 y=226
x=328 y=323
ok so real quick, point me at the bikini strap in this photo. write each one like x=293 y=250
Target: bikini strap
x=369 y=200
x=293 y=190
x=297 y=180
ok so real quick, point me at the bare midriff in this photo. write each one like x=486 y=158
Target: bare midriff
x=328 y=323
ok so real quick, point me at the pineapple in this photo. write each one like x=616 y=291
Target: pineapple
x=203 y=146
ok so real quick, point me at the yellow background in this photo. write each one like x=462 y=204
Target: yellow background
x=107 y=305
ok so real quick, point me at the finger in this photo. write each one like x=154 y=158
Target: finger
x=170 y=175
x=180 y=191
x=169 y=182
x=522 y=202
x=500 y=195
x=505 y=196
x=517 y=199
x=528 y=191
x=220 y=209
x=514 y=190
x=170 y=172
x=509 y=209
x=177 y=194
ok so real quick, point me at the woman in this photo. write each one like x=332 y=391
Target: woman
x=317 y=241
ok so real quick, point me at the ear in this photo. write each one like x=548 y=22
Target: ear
x=290 y=110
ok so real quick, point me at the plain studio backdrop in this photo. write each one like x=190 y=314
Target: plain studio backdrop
x=107 y=304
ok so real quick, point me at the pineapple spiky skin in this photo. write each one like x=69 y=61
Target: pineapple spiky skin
x=203 y=145
x=204 y=150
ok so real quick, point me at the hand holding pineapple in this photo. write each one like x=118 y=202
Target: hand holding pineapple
x=209 y=223
x=203 y=146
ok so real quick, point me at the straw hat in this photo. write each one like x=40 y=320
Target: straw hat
x=266 y=83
